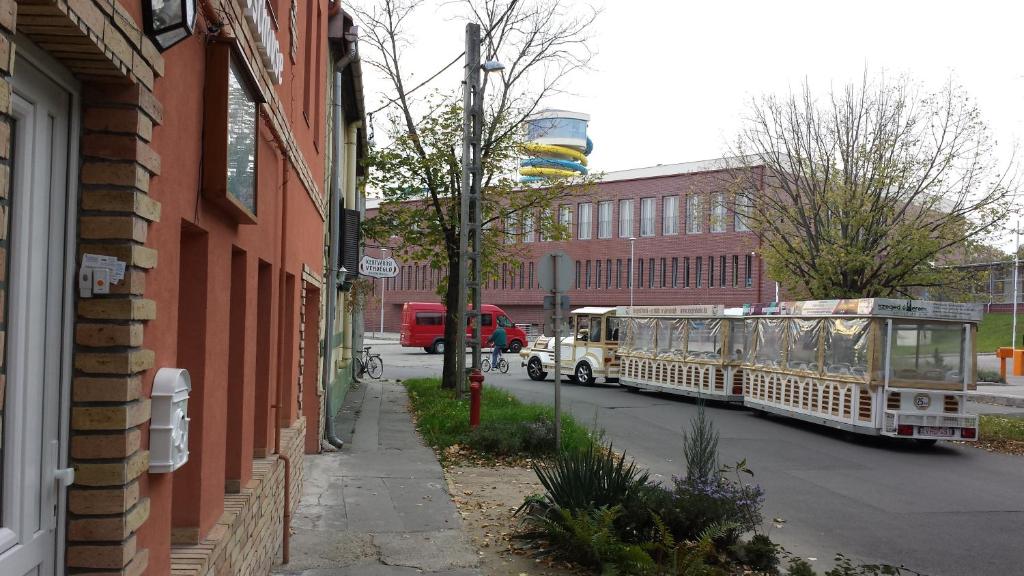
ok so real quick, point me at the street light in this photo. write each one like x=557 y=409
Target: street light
x=632 y=239
x=381 y=334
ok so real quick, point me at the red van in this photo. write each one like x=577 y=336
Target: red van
x=423 y=326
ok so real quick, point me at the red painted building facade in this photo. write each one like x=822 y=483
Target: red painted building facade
x=690 y=247
x=200 y=169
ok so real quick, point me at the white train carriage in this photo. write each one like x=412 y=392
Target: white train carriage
x=872 y=366
x=588 y=351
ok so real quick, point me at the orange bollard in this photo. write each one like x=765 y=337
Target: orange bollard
x=476 y=386
x=1003 y=353
x=1018 y=362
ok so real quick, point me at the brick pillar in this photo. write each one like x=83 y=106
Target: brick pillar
x=108 y=406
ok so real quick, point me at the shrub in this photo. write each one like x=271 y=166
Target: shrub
x=513 y=438
x=759 y=553
x=700 y=447
x=588 y=479
x=990 y=376
x=591 y=537
x=693 y=505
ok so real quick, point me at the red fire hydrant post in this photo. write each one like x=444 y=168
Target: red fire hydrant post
x=476 y=386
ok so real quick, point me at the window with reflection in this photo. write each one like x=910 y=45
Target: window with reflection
x=704 y=339
x=612 y=329
x=803 y=344
x=771 y=333
x=846 y=346
x=927 y=351
x=741 y=339
x=643 y=335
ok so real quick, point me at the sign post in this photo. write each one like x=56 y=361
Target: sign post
x=553 y=273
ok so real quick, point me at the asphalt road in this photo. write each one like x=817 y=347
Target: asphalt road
x=948 y=510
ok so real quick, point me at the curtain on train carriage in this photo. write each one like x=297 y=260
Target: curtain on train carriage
x=705 y=339
x=741 y=340
x=643 y=336
x=769 y=337
x=846 y=346
x=803 y=344
x=671 y=337
x=627 y=335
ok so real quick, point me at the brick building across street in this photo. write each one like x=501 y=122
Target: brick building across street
x=690 y=247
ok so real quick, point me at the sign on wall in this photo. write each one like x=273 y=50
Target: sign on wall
x=378 y=267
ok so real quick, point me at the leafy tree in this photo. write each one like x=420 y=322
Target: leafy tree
x=869 y=190
x=419 y=173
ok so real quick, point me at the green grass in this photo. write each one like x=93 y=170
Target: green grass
x=444 y=421
x=995 y=331
x=1002 y=428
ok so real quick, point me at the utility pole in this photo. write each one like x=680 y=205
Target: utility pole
x=469 y=213
x=1016 y=285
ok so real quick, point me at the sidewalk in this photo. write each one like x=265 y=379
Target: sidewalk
x=1009 y=394
x=380 y=506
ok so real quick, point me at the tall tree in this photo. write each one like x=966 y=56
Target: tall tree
x=868 y=190
x=541 y=43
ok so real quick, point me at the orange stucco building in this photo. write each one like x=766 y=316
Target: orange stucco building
x=164 y=204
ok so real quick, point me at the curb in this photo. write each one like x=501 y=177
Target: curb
x=1015 y=401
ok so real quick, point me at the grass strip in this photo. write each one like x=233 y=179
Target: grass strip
x=444 y=421
x=996 y=428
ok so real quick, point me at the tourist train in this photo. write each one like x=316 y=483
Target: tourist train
x=872 y=366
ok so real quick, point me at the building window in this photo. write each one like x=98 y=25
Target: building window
x=232 y=100
x=629 y=272
x=511 y=229
x=588 y=273
x=586 y=221
x=699 y=272
x=618 y=273
x=544 y=225
x=640 y=272
x=711 y=271
x=528 y=227
x=744 y=207
x=650 y=273
x=577 y=274
x=597 y=276
x=670 y=215
x=686 y=272
x=647 y=216
x=565 y=219
x=748 y=279
x=625 y=218
x=694 y=215
x=531 y=277
x=735 y=271
x=604 y=219
x=504 y=276
x=522 y=273
x=721 y=271
x=718 y=212
x=664 y=273
x=675 y=272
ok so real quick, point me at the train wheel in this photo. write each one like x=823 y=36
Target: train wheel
x=535 y=370
x=584 y=374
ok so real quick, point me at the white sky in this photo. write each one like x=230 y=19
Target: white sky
x=671 y=79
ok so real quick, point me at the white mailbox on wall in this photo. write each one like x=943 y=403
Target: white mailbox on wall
x=168 y=429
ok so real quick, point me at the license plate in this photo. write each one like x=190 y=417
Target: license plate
x=941 y=432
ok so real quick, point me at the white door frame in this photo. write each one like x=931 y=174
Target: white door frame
x=61 y=295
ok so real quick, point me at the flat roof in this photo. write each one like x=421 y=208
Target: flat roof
x=682 y=168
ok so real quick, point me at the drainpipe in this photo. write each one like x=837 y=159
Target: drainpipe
x=279 y=401
x=335 y=232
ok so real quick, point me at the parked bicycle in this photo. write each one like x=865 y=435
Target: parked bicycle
x=367 y=363
x=502 y=366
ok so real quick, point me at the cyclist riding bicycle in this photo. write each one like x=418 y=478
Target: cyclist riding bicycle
x=500 y=340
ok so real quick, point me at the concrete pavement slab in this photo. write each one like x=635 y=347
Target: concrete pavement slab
x=380 y=505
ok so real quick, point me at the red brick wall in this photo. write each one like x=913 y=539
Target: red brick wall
x=523 y=303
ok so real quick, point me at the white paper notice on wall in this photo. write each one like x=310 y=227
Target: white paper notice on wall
x=97 y=261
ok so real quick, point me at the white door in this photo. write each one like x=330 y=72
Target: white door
x=33 y=455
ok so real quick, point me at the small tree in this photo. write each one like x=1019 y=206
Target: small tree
x=869 y=191
x=418 y=175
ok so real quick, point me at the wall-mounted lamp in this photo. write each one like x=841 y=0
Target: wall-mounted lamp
x=168 y=22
